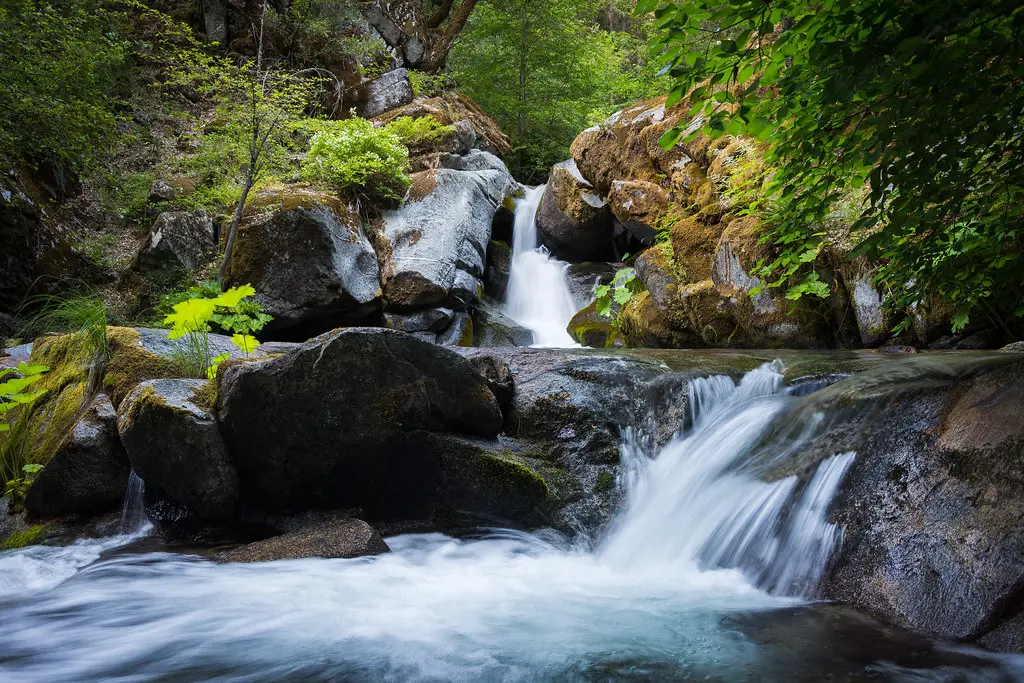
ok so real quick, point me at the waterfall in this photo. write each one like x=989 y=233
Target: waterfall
x=696 y=506
x=134 y=520
x=538 y=290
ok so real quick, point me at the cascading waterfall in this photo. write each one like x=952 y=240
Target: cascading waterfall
x=538 y=291
x=133 y=511
x=687 y=585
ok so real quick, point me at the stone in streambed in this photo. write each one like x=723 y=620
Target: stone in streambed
x=335 y=539
x=175 y=445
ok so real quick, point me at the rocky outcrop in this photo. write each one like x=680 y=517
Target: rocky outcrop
x=573 y=221
x=174 y=444
x=456 y=109
x=309 y=260
x=89 y=471
x=347 y=411
x=584 y=278
x=492 y=328
x=335 y=539
x=433 y=248
x=383 y=94
x=183 y=240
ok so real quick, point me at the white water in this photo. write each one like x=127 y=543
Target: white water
x=701 y=548
x=538 y=291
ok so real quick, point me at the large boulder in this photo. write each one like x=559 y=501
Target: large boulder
x=390 y=91
x=573 y=221
x=336 y=422
x=307 y=256
x=585 y=277
x=492 y=328
x=933 y=501
x=334 y=539
x=183 y=240
x=440 y=236
x=498 y=269
x=89 y=471
x=174 y=444
x=639 y=206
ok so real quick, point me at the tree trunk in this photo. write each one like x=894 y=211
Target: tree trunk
x=233 y=233
x=443 y=41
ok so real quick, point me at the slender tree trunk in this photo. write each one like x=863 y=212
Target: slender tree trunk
x=229 y=247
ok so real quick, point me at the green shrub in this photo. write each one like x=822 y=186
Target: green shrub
x=358 y=160
x=428 y=85
x=420 y=134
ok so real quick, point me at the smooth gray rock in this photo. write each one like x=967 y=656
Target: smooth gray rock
x=443 y=228
x=89 y=471
x=178 y=239
x=336 y=539
x=492 y=328
x=175 y=446
x=341 y=406
x=498 y=270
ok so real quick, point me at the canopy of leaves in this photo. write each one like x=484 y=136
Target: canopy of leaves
x=61 y=63
x=921 y=101
x=547 y=70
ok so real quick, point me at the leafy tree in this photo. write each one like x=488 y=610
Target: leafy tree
x=921 y=102
x=62 y=60
x=546 y=70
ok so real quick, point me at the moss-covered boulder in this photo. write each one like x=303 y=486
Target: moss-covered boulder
x=175 y=445
x=452 y=108
x=309 y=259
x=573 y=221
x=325 y=425
x=593 y=330
x=334 y=539
x=89 y=471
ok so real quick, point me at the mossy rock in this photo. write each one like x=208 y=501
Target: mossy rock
x=21 y=539
x=590 y=329
x=131 y=364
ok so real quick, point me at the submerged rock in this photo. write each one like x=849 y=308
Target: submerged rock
x=335 y=539
x=327 y=425
x=174 y=444
x=89 y=471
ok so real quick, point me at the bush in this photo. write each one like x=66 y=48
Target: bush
x=358 y=160
x=420 y=134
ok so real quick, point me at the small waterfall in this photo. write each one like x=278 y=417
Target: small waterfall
x=695 y=504
x=134 y=520
x=538 y=291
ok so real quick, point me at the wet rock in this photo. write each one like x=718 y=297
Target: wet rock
x=308 y=258
x=174 y=444
x=89 y=471
x=443 y=228
x=573 y=221
x=178 y=239
x=1015 y=347
x=434 y=320
x=336 y=539
x=933 y=501
x=589 y=328
x=873 y=323
x=499 y=378
x=493 y=328
x=390 y=91
x=342 y=405
x=498 y=269
x=896 y=348
x=583 y=278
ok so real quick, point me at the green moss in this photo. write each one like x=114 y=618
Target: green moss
x=205 y=397
x=130 y=365
x=590 y=329
x=605 y=482
x=29 y=536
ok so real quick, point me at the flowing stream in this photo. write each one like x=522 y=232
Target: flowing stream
x=703 y=575
x=538 y=290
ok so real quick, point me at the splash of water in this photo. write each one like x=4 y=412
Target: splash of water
x=539 y=298
x=701 y=545
x=134 y=520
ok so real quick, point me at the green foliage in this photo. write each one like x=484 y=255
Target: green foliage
x=191 y=322
x=15 y=392
x=920 y=102
x=20 y=539
x=311 y=33
x=428 y=85
x=126 y=195
x=82 y=314
x=17 y=488
x=420 y=134
x=547 y=70
x=62 y=60
x=358 y=160
x=612 y=297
